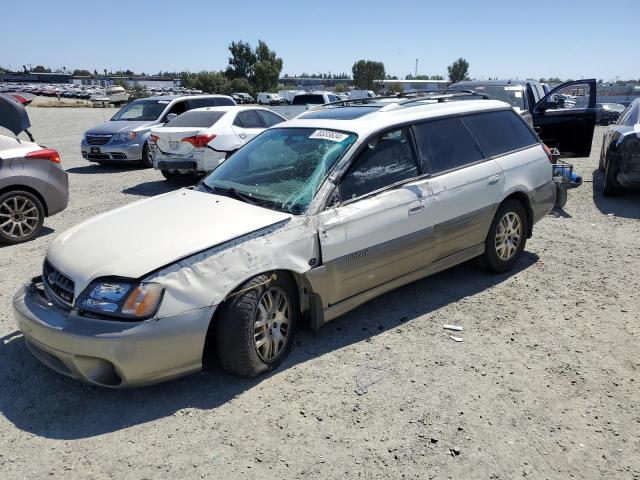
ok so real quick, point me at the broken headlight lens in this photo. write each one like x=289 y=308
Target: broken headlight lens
x=126 y=300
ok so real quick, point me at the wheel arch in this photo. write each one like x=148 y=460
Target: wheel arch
x=31 y=190
x=303 y=290
x=523 y=198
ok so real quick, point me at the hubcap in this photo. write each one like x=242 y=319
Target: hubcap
x=508 y=236
x=18 y=217
x=272 y=322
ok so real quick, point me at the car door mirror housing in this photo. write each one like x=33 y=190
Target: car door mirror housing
x=170 y=116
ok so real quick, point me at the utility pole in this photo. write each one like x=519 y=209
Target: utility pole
x=416 y=72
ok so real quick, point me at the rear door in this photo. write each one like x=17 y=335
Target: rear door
x=247 y=125
x=565 y=118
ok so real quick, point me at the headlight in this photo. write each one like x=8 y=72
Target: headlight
x=123 y=137
x=126 y=300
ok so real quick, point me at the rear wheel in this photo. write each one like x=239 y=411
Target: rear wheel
x=21 y=217
x=609 y=185
x=507 y=237
x=255 y=328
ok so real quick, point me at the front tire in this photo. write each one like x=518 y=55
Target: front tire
x=507 y=237
x=21 y=217
x=254 y=329
x=146 y=161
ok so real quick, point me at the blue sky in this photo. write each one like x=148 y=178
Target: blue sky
x=565 y=38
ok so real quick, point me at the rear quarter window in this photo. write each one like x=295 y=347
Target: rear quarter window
x=499 y=132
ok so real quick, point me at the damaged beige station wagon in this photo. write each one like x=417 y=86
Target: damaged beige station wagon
x=313 y=217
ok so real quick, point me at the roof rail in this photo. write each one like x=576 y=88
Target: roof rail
x=405 y=99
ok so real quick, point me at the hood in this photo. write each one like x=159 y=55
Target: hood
x=138 y=238
x=120 y=126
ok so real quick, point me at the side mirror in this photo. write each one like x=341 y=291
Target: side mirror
x=171 y=116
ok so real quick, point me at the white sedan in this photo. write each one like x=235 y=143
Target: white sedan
x=199 y=140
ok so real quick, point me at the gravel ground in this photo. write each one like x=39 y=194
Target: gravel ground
x=545 y=384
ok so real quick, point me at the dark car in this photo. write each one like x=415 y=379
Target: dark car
x=564 y=117
x=607 y=113
x=620 y=154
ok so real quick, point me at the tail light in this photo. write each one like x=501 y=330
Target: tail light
x=45 y=154
x=199 y=141
x=547 y=150
x=154 y=138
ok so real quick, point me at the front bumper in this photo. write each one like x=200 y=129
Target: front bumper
x=131 y=152
x=109 y=353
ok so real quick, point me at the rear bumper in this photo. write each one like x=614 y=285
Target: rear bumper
x=57 y=193
x=542 y=200
x=188 y=163
x=110 y=353
x=119 y=153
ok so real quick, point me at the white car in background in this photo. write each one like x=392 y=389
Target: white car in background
x=199 y=140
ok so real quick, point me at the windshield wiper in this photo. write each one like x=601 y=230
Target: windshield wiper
x=233 y=192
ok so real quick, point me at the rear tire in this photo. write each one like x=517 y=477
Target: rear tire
x=609 y=185
x=254 y=331
x=507 y=237
x=21 y=217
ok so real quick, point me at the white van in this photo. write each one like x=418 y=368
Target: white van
x=356 y=94
x=269 y=98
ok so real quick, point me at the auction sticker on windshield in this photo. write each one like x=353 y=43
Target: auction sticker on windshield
x=329 y=135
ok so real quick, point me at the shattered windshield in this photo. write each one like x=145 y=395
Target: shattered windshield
x=282 y=168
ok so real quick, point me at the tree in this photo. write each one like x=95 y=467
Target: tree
x=81 y=73
x=241 y=61
x=267 y=68
x=208 y=82
x=458 y=70
x=395 y=87
x=240 y=85
x=41 y=69
x=365 y=74
x=436 y=77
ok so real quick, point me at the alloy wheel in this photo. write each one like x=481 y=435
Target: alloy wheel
x=272 y=324
x=19 y=217
x=508 y=236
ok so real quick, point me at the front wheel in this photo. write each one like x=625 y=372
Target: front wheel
x=255 y=327
x=507 y=237
x=146 y=161
x=21 y=217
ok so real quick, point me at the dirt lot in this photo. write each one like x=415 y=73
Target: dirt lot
x=545 y=384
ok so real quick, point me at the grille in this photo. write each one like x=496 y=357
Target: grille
x=98 y=139
x=58 y=284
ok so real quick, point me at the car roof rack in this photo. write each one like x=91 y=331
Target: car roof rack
x=405 y=99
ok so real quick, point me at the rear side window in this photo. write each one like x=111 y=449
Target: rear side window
x=499 y=132
x=196 y=119
x=388 y=160
x=248 y=119
x=269 y=118
x=305 y=99
x=446 y=144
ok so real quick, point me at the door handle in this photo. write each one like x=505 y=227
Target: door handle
x=493 y=180
x=415 y=207
x=243 y=135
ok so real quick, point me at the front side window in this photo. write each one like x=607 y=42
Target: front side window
x=499 y=132
x=388 y=159
x=308 y=99
x=141 y=110
x=446 y=144
x=282 y=168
